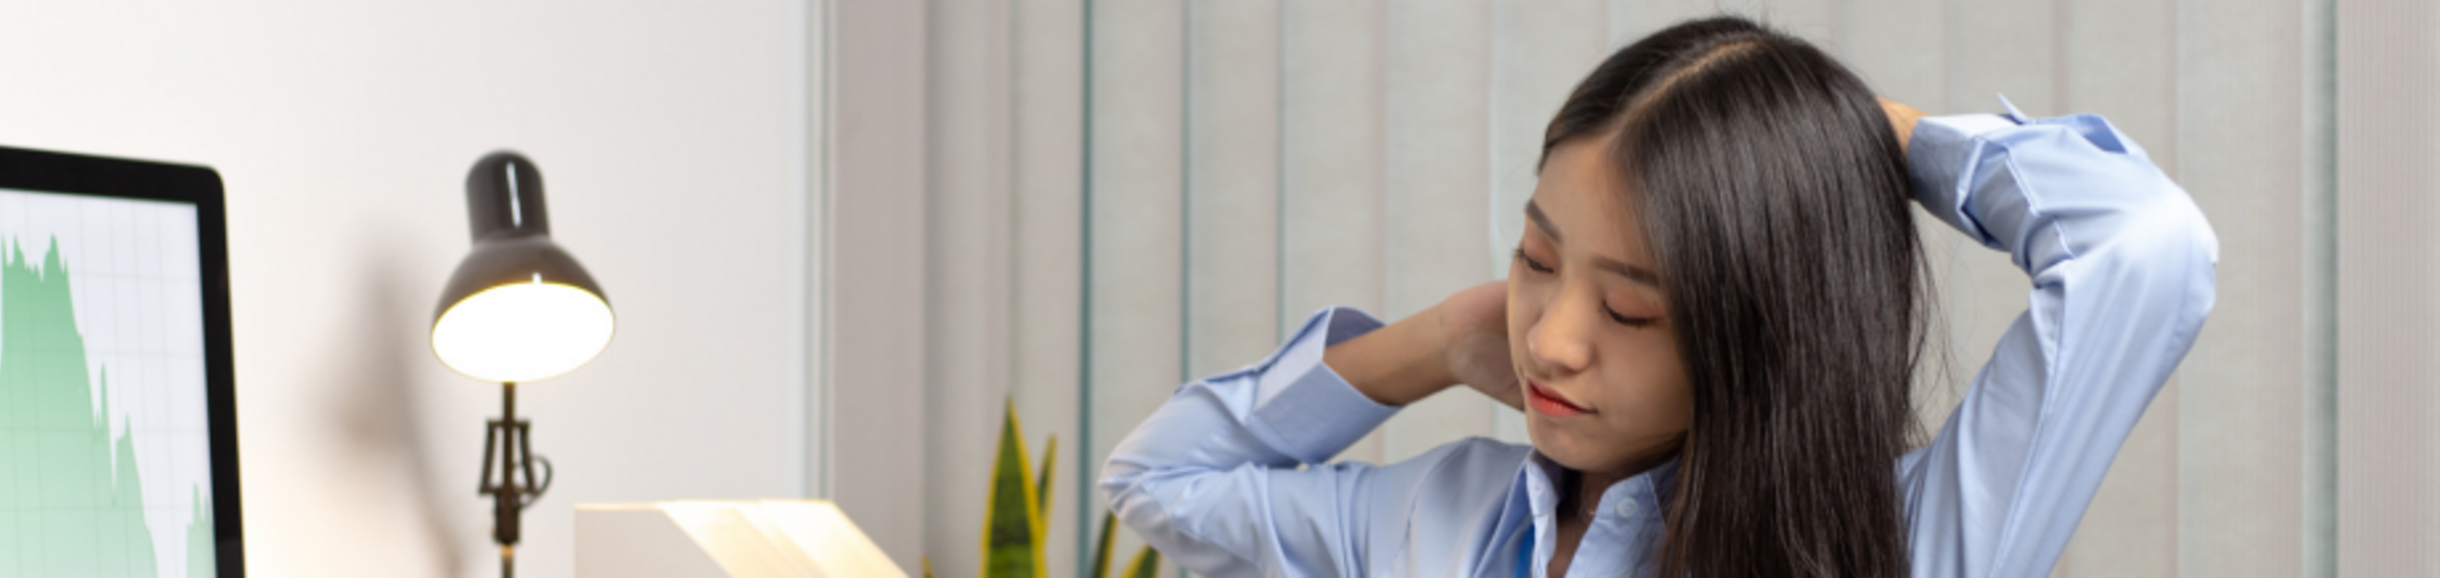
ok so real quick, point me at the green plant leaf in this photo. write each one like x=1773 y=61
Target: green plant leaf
x=1147 y=564
x=927 y=567
x=1101 y=546
x=1012 y=541
x=1042 y=489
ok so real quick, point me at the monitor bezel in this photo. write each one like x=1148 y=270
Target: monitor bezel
x=58 y=172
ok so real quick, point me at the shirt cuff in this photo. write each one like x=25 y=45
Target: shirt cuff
x=1304 y=409
x=1941 y=159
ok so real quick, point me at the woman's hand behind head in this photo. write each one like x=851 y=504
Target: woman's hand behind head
x=1474 y=325
x=1902 y=119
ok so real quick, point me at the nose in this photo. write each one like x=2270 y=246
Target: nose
x=1562 y=338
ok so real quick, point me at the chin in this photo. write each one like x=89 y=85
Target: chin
x=1566 y=450
x=1575 y=451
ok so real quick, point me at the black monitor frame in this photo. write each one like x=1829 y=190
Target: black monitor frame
x=43 y=171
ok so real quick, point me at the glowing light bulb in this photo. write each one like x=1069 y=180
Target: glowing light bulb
x=521 y=332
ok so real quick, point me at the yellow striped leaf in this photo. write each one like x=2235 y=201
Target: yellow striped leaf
x=1147 y=564
x=1012 y=541
x=1042 y=491
x=1101 y=547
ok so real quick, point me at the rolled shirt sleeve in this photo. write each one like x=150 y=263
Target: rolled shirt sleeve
x=1301 y=407
x=1211 y=479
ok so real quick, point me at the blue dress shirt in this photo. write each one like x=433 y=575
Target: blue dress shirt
x=2121 y=266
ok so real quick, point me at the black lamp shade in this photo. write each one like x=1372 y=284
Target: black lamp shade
x=519 y=307
x=529 y=259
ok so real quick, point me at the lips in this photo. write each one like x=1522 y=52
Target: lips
x=1547 y=402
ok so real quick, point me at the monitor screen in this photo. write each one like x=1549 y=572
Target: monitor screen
x=106 y=404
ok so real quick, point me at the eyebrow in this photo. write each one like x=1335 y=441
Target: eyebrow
x=1633 y=273
x=1533 y=211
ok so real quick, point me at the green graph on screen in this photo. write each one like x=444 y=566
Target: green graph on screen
x=71 y=502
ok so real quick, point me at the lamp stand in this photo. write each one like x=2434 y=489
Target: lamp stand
x=508 y=438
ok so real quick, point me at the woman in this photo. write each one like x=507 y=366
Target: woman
x=1711 y=323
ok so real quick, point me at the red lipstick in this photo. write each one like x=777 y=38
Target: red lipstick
x=1547 y=402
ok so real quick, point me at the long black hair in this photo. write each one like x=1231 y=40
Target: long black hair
x=1773 y=195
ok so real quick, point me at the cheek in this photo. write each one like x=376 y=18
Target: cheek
x=1523 y=310
x=1656 y=386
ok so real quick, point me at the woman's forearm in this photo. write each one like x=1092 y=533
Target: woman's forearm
x=1397 y=364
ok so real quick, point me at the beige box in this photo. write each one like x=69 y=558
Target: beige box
x=741 y=539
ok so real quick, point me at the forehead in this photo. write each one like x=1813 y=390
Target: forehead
x=1581 y=194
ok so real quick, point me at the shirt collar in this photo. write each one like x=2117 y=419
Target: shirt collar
x=1637 y=496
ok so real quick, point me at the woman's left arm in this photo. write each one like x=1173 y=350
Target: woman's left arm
x=2121 y=268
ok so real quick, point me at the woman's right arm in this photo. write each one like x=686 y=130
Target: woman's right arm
x=1211 y=479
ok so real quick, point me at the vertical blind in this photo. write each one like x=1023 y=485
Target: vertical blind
x=1128 y=195
x=2387 y=170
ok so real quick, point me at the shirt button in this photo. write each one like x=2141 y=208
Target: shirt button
x=1626 y=508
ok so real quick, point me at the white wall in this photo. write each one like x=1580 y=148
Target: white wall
x=673 y=139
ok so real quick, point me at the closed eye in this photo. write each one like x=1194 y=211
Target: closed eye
x=1635 y=322
x=1530 y=264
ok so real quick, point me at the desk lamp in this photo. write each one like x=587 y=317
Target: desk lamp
x=518 y=309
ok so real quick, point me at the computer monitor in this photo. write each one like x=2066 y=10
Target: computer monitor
x=118 y=430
